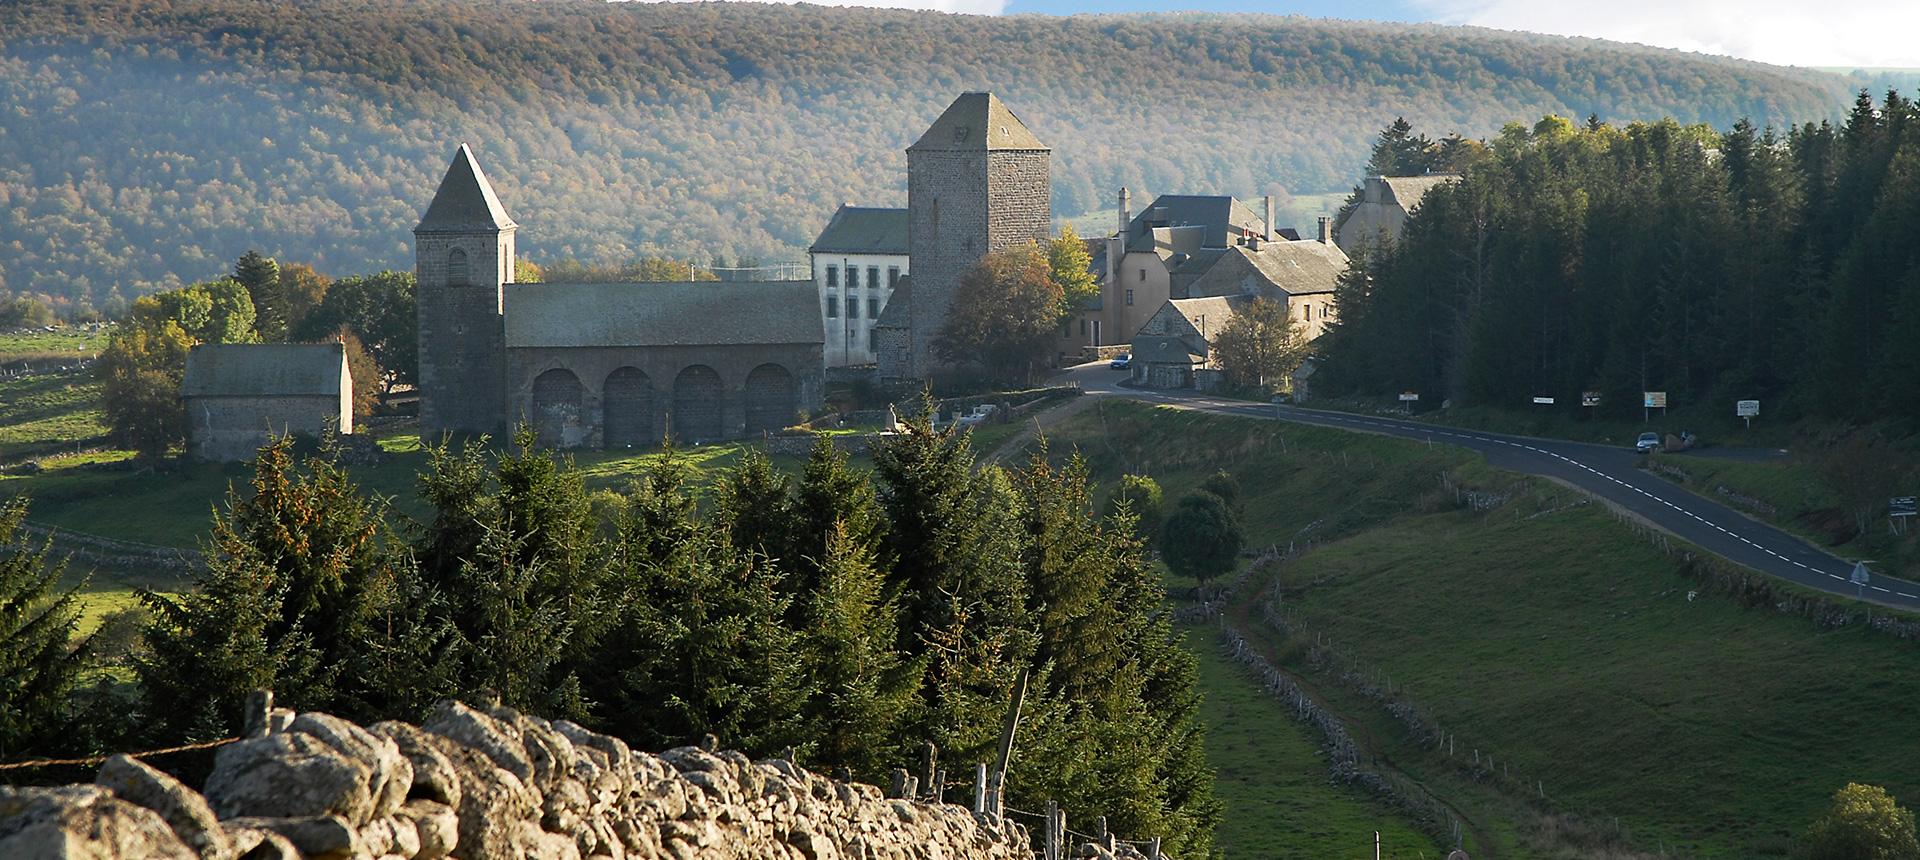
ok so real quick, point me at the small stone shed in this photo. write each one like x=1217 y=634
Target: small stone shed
x=240 y=395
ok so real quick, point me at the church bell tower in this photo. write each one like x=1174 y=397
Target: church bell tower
x=463 y=260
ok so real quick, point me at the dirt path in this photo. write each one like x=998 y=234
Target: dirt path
x=1239 y=615
x=1036 y=424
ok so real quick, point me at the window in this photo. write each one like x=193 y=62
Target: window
x=833 y=278
x=873 y=342
x=1066 y=329
x=833 y=305
x=893 y=277
x=853 y=277
x=1306 y=312
x=457 y=268
x=1083 y=328
x=1143 y=275
x=873 y=308
x=1129 y=298
x=873 y=277
x=853 y=307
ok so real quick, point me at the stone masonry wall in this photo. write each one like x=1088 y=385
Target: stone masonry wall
x=482 y=784
x=462 y=333
x=233 y=429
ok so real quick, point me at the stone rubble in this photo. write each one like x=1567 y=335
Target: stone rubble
x=483 y=784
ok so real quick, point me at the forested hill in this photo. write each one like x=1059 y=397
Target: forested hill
x=146 y=144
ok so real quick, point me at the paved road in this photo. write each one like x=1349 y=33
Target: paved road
x=1605 y=471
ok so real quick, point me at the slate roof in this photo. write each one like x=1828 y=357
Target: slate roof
x=863 y=230
x=705 y=313
x=977 y=122
x=899 y=310
x=1408 y=190
x=465 y=200
x=1162 y=349
x=1215 y=212
x=265 y=370
x=1208 y=315
x=1385 y=203
x=1294 y=268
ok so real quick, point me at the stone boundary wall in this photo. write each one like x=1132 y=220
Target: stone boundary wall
x=482 y=784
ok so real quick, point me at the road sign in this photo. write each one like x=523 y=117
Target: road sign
x=1408 y=396
x=1544 y=401
x=1654 y=399
x=1589 y=398
x=1860 y=575
x=1746 y=409
x=1902 y=506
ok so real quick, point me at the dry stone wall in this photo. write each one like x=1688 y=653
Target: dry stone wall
x=482 y=784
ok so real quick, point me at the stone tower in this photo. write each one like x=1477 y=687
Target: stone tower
x=463 y=258
x=977 y=181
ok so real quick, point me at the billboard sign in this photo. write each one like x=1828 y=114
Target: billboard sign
x=1654 y=399
x=1589 y=398
x=1746 y=409
x=1408 y=396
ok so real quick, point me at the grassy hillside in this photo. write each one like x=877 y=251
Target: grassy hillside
x=1545 y=633
x=145 y=144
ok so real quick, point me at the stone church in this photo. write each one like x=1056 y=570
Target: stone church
x=611 y=365
x=977 y=181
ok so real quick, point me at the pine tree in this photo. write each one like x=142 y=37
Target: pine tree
x=40 y=661
x=260 y=275
x=859 y=688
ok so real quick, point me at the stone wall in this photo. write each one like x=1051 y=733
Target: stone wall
x=482 y=784
x=232 y=429
x=585 y=425
x=462 y=331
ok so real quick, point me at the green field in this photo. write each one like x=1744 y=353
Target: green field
x=49 y=412
x=1546 y=633
x=41 y=345
x=1273 y=779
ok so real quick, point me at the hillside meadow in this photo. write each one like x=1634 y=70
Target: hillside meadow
x=1627 y=707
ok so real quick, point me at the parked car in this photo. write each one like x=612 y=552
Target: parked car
x=978 y=416
x=1122 y=362
x=1648 y=442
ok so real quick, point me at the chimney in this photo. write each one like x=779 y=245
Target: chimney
x=1268 y=234
x=1326 y=230
x=1126 y=212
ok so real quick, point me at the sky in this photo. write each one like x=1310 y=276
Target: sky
x=1848 y=33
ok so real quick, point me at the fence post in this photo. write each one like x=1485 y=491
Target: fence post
x=259 y=714
x=929 y=765
x=1050 y=843
x=980 y=788
x=1153 y=848
x=940 y=786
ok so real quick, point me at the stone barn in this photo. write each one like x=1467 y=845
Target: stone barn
x=625 y=365
x=239 y=396
x=602 y=365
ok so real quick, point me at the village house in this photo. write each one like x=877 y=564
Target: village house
x=857 y=262
x=239 y=396
x=1380 y=216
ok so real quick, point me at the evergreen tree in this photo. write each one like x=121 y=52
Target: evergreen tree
x=296 y=571
x=39 y=660
x=1140 y=497
x=859 y=687
x=1201 y=538
x=260 y=275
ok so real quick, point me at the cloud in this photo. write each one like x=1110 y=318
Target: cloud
x=1832 y=33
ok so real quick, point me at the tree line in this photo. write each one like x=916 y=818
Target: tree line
x=146 y=144
x=1715 y=266
x=847 y=615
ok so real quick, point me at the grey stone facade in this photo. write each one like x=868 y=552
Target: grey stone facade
x=977 y=181
x=597 y=365
x=463 y=258
x=238 y=397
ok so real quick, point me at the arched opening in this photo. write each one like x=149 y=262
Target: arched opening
x=697 y=397
x=627 y=410
x=556 y=408
x=457 y=274
x=771 y=398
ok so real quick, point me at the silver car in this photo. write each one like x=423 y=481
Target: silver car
x=1648 y=443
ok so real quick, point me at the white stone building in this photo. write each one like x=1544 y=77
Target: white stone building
x=857 y=262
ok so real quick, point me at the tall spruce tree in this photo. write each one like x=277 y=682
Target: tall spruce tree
x=260 y=275
x=40 y=660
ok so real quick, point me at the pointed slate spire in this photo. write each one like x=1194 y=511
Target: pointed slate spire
x=465 y=201
x=977 y=122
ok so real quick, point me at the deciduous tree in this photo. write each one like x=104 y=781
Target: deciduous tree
x=1005 y=315
x=1201 y=538
x=1259 y=346
x=1864 y=823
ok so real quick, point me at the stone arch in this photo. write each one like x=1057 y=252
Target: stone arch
x=771 y=398
x=626 y=409
x=557 y=395
x=457 y=272
x=698 y=395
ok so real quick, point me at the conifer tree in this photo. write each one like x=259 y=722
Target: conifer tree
x=260 y=275
x=859 y=688
x=39 y=660
x=832 y=497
